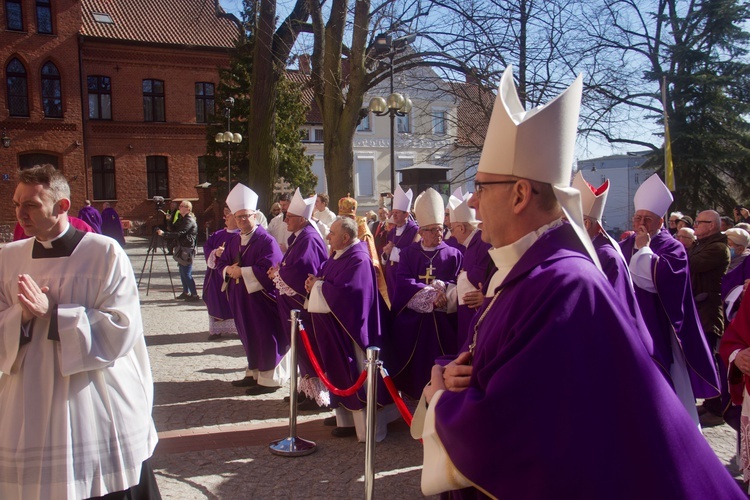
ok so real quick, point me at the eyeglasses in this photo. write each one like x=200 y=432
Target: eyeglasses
x=432 y=230
x=702 y=222
x=641 y=218
x=479 y=186
x=243 y=217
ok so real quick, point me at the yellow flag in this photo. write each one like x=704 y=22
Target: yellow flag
x=668 y=165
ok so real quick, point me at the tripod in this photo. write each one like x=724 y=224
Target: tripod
x=155 y=240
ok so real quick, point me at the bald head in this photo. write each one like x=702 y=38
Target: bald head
x=707 y=223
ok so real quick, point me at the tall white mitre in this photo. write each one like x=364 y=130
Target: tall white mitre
x=300 y=206
x=242 y=197
x=654 y=196
x=429 y=208
x=593 y=199
x=458 y=206
x=538 y=145
x=402 y=200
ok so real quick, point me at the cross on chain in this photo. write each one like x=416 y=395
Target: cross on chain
x=428 y=277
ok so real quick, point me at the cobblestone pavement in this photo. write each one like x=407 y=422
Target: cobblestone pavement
x=214 y=439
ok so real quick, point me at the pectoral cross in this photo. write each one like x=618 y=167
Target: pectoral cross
x=428 y=277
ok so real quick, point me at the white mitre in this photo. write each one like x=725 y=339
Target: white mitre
x=242 y=197
x=458 y=206
x=537 y=145
x=302 y=207
x=429 y=208
x=653 y=196
x=401 y=200
x=593 y=199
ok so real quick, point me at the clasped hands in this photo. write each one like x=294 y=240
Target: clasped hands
x=310 y=282
x=453 y=377
x=33 y=299
x=234 y=271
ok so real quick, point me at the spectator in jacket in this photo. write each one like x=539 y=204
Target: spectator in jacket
x=185 y=232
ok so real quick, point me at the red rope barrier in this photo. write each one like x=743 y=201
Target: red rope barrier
x=402 y=409
x=400 y=404
x=339 y=392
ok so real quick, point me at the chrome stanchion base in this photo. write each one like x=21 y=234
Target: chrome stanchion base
x=292 y=447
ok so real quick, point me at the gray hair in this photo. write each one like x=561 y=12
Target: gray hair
x=349 y=226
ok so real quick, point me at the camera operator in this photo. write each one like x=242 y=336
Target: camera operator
x=185 y=233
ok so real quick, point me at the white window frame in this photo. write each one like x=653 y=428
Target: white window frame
x=373 y=175
x=435 y=120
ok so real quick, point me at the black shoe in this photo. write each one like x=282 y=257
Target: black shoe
x=307 y=404
x=343 y=432
x=329 y=421
x=245 y=382
x=193 y=298
x=182 y=296
x=260 y=389
x=212 y=337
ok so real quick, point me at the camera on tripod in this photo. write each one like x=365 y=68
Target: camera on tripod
x=159 y=202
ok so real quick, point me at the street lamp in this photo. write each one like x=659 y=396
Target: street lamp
x=397 y=104
x=5 y=139
x=229 y=138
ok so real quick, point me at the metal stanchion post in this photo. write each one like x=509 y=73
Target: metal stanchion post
x=293 y=446
x=373 y=354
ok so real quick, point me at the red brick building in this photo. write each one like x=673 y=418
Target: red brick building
x=117 y=94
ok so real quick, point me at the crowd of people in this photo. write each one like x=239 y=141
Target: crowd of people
x=541 y=357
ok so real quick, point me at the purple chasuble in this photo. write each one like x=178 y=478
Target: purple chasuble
x=453 y=243
x=255 y=314
x=672 y=311
x=217 y=302
x=734 y=278
x=418 y=339
x=564 y=401
x=407 y=238
x=304 y=256
x=349 y=287
x=111 y=225
x=92 y=217
x=479 y=269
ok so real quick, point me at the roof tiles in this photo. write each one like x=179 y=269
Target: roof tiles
x=201 y=23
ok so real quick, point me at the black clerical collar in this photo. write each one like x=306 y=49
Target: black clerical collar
x=61 y=247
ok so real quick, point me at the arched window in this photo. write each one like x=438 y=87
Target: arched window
x=29 y=160
x=51 y=91
x=17 y=87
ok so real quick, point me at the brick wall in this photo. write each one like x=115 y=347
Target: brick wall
x=74 y=139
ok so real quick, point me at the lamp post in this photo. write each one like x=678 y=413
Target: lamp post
x=229 y=138
x=396 y=104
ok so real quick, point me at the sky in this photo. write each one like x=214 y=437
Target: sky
x=584 y=150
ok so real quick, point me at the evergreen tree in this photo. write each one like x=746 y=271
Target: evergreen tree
x=708 y=78
x=293 y=163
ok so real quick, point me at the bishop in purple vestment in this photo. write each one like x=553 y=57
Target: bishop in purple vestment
x=344 y=309
x=668 y=309
x=306 y=252
x=553 y=347
x=399 y=238
x=214 y=293
x=424 y=305
x=111 y=225
x=244 y=264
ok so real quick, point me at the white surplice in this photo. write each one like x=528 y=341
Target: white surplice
x=75 y=414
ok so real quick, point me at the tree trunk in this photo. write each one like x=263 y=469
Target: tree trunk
x=261 y=132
